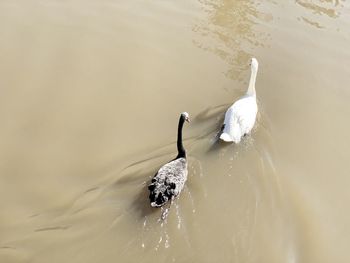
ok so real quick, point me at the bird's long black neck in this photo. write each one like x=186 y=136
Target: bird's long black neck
x=180 y=147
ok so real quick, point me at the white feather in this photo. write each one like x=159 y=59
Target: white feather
x=240 y=117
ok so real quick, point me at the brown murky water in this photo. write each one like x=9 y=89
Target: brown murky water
x=90 y=93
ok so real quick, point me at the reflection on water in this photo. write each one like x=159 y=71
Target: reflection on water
x=318 y=9
x=229 y=32
x=312 y=23
x=321 y=7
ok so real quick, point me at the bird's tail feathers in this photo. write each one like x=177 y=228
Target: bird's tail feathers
x=234 y=137
x=226 y=137
x=236 y=134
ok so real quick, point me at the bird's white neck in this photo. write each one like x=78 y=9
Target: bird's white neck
x=251 y=87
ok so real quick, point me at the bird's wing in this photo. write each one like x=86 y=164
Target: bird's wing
x=168 y=181
x=240 y=118
x=246 y=112
x=174 y=170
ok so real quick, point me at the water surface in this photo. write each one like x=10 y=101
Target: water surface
x=90 y=95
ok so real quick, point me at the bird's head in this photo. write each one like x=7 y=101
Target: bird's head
x=254 y=63
x=185 y=116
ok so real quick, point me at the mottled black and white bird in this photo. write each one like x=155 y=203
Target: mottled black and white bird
x=168 y=182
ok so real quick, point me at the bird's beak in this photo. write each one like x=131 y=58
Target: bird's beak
x=188 y=120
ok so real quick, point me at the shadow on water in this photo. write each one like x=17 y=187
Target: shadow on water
x=210 y=113
x=133 y=184
x=215 y=116
x=217 y=145
x=141 y=203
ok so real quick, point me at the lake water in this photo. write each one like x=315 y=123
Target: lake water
x=90 y=95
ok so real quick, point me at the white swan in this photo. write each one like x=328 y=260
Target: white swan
x=168 y=182
x=240 y=117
